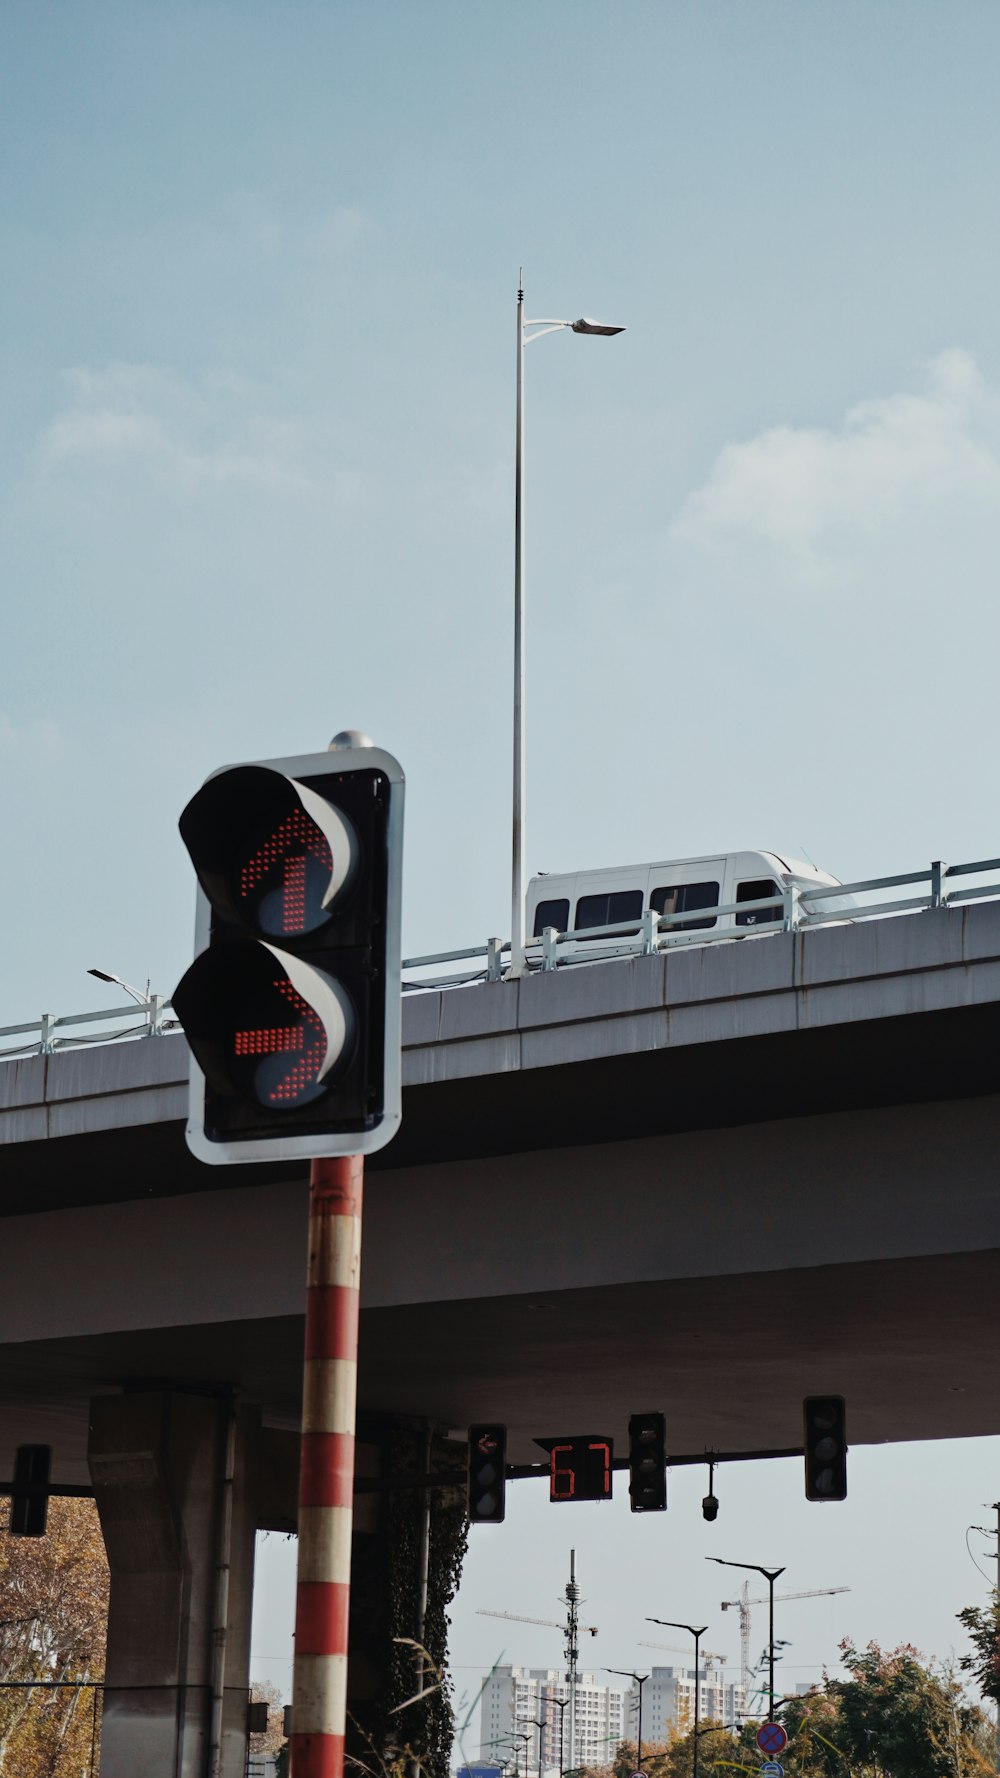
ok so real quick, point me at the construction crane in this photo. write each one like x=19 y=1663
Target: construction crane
x=571 y=1630
x=551 y=1623
x=743 y=1604
x=671 y=1648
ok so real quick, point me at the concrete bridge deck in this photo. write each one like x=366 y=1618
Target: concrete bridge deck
x=711 y=1181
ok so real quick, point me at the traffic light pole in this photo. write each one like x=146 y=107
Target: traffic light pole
x=326 y=1479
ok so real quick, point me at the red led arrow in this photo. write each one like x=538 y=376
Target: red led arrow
x=299 y=832
x=302 y=1038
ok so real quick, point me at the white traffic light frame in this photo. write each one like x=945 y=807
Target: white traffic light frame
x=305 y=1146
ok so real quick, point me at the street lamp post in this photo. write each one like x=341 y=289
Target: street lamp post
x=640 y=1680
x=670 y=1624
x=770 y=1575
x=562 y=1705
x=525 y=1740
x=517 y=935
x=539 y=1724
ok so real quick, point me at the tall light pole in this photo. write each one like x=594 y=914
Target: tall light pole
x=770 y=1575
x=562 y=1705
x=524 y=1739
x=640 y=1680
x=518 y=885
x=671 y=1624
x=539 y=1724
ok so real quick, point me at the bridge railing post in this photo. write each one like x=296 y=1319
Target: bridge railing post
x=550 y=954
x=790 y=908
x=939 y=895
x=650 y=931
x=494 y=972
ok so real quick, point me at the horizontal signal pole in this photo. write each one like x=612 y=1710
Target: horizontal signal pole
x=524 y=1472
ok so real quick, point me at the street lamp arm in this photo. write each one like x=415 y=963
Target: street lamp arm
x=543 y=328
x=768 y=1573
x=670 y=1623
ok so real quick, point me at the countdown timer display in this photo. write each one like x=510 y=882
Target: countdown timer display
x=580 y=1468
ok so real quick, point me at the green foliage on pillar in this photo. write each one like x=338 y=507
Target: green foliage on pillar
x=423 y=1728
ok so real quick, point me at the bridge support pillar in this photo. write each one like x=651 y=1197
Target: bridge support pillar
x=171 y=1522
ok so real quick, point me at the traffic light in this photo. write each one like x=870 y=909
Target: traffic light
x=647 y=1463
x=487 y=1478
x=29 y=1511
x=825 y=1443
x=292 y=1006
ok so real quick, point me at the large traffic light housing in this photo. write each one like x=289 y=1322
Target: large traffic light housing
x=292 y=1006
x=487 y=1474
x=824 y=1438
x=647 y=1463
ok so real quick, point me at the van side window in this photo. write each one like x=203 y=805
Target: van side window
x=552 y=913
x=758 y=890
x=609 y=910
x=680 y=898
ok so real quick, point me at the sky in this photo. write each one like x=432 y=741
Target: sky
x=256 y=474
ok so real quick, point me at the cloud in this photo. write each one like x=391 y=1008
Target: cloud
x=795 y=487
x=195 y=436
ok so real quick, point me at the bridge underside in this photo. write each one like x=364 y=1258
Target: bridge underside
x=715 y=1233
x=729 y=1360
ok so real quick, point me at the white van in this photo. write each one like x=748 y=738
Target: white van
x=695 y=886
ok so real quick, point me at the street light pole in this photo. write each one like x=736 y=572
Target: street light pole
x=517 y=886
x=770 y=1575
x=640 y=1680
x=540 y=1726
x=562 y=1705
x=517 y=934
x=670 y=1624
x=525 y=1740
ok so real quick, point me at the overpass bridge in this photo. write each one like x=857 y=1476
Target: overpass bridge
x=710 y=1180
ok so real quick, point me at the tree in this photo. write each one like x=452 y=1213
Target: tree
x=272 y=1739
x=892 y=1717
x=718 y=1749
x=53 y=1624
x=896 y=1718
x=983 y=1625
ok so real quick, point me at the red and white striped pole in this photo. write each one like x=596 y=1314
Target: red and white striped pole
x=326 y=1477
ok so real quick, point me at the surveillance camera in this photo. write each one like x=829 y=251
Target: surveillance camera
x=710 y=1507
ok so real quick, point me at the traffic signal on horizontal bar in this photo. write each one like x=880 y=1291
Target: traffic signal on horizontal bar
x=29 y=1509
x=487 y=1476
x=292 y=1004
x=647 y=1463
x=825 y=1443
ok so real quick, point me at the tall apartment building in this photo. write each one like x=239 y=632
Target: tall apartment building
x=516 y=1699
x=668 y=1701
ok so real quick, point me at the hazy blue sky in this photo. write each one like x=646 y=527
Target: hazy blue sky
x=257 y=349
x=257 y=355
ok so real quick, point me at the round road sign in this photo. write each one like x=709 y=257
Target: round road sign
x=771 y=1769
x=771 y=1737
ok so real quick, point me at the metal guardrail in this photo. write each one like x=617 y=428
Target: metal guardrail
x=794 y=909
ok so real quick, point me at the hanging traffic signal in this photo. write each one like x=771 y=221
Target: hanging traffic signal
x=292 y=1006
x=29 y=1503
x=647 y=1463
x=487 y=1476
x=825 y=1443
